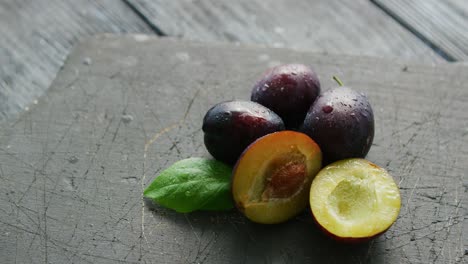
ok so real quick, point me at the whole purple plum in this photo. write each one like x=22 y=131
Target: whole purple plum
x=289 y=90
x=341 y=121
x=229 y=127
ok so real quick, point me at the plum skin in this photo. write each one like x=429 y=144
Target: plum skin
x=229 y=127
x=347 y=240
x=341 y=121
x=288 y=90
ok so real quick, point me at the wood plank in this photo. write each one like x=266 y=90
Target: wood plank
x=461 y=6
x=333 y=26
x=73 y=167
x=442 y=23
x=37 y=36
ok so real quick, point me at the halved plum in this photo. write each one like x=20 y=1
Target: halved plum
x=271 y=180
x=354 y=200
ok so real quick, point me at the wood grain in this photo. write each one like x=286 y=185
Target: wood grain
x=333 y=26
x=442 y=23
x=38 y=35
x=461 y=6
x=73 y=167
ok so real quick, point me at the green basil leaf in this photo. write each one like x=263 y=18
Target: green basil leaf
x=193 y=184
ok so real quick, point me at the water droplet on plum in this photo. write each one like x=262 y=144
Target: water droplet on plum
x=327 y=109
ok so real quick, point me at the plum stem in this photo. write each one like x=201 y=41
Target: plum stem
x=340 y=83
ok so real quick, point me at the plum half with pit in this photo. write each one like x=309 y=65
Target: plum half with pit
x=341 y=121
x=271 y=180
x=229 y=127
x=289 y=90
x=354 y=200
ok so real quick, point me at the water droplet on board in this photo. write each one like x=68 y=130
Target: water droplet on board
x=278 y=45
x=141 y=37
x=87 y=61
x=73 y=159
x=129 y=180
x=274 y=63
x=127 y=119
x=263 y=57
x=129 y=61
x=279 y=30
x=183 y=56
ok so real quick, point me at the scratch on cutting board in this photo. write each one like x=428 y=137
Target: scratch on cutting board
x=143 y=179
x=191 y=227
x=145 y=152
x=411 y=194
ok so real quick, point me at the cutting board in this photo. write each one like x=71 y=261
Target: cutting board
x=73 y=166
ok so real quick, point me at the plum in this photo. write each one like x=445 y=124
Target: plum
x=288 y=90
x=229 y=127
x=271 y=180
x=341 y=121
x=354 y=200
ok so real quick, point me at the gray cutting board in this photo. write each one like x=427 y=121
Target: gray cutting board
x=73 y=167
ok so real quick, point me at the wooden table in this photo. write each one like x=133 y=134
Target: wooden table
x=74 y=166
x=38 y=35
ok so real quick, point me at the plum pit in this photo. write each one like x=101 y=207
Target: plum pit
x=272 y=177
x=285 y=177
